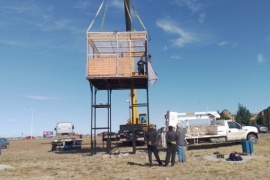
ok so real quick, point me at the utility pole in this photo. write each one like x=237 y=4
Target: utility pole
x=32 y=121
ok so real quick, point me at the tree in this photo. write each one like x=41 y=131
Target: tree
x=225 y=114
x=243 y=115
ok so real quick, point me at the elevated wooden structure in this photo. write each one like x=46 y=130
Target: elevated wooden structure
x=111 y=58
x=111 y=62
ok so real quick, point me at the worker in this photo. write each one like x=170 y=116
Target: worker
x=171 y=138
x=141 y=64
x=149 y=57
x=151 y=138
x=181 y=142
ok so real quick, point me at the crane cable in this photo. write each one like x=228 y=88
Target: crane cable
x=104 y=15
x=137 y=14
x=103 y=20
x=100 y=7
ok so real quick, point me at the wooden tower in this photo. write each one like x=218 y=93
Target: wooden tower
x=111 y=65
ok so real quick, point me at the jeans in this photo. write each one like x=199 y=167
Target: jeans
x=181 y=153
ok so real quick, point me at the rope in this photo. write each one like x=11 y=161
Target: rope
x=103 y=19
x=104 y=15
x=100 y=7
x=138 y=17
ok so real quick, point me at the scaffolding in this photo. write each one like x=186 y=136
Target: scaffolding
x=111 y=60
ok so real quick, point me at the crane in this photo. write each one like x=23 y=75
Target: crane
x=133 y=131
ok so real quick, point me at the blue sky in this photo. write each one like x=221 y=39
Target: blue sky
x=209 y=55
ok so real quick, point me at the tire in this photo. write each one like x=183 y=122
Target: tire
x=253 y=138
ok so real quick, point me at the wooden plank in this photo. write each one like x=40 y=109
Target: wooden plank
x=101 y=67
x=124 y=67
x=117 y=36
x=109 y=67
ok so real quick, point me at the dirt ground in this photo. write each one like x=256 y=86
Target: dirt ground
x=33 y=160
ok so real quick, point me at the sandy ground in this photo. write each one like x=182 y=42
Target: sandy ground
x=33 y=159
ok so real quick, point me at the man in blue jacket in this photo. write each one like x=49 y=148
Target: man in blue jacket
x=181 y=142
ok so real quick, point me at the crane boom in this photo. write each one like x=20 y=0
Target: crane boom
x=133 y=93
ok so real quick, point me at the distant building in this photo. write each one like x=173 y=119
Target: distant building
x=253 y=117
x=266 y=114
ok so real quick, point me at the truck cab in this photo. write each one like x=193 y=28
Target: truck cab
x=236 y=131
x=64 y=129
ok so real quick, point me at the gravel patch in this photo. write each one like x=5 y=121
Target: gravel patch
x=245 y=158
x=2 y=166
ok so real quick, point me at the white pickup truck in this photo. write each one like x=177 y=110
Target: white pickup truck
x=203 y=127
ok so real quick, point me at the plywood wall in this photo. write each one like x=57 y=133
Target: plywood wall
x=109 y=67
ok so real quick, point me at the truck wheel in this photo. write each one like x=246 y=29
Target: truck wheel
x=252 y=137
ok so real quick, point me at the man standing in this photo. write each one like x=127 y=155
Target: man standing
x=151 y=137
x=141 y=64
x=171 y=138
x=181 y=142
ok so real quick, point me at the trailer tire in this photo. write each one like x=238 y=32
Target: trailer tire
x=53 y=147
x=252 y=137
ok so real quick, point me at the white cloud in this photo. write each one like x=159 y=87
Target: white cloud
x=184 y=37
x=41 y=97
x=201 y=17
x=53 y=25
x=83 y=4
x=260 y=58
x=118 y=3
x=223 y=43
x=267 y=39
x=13 y=43
x=165 y=48
x=228 y=43
x=10 y=121
x=193 y=5
x=176 y=57
x=15 y=9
